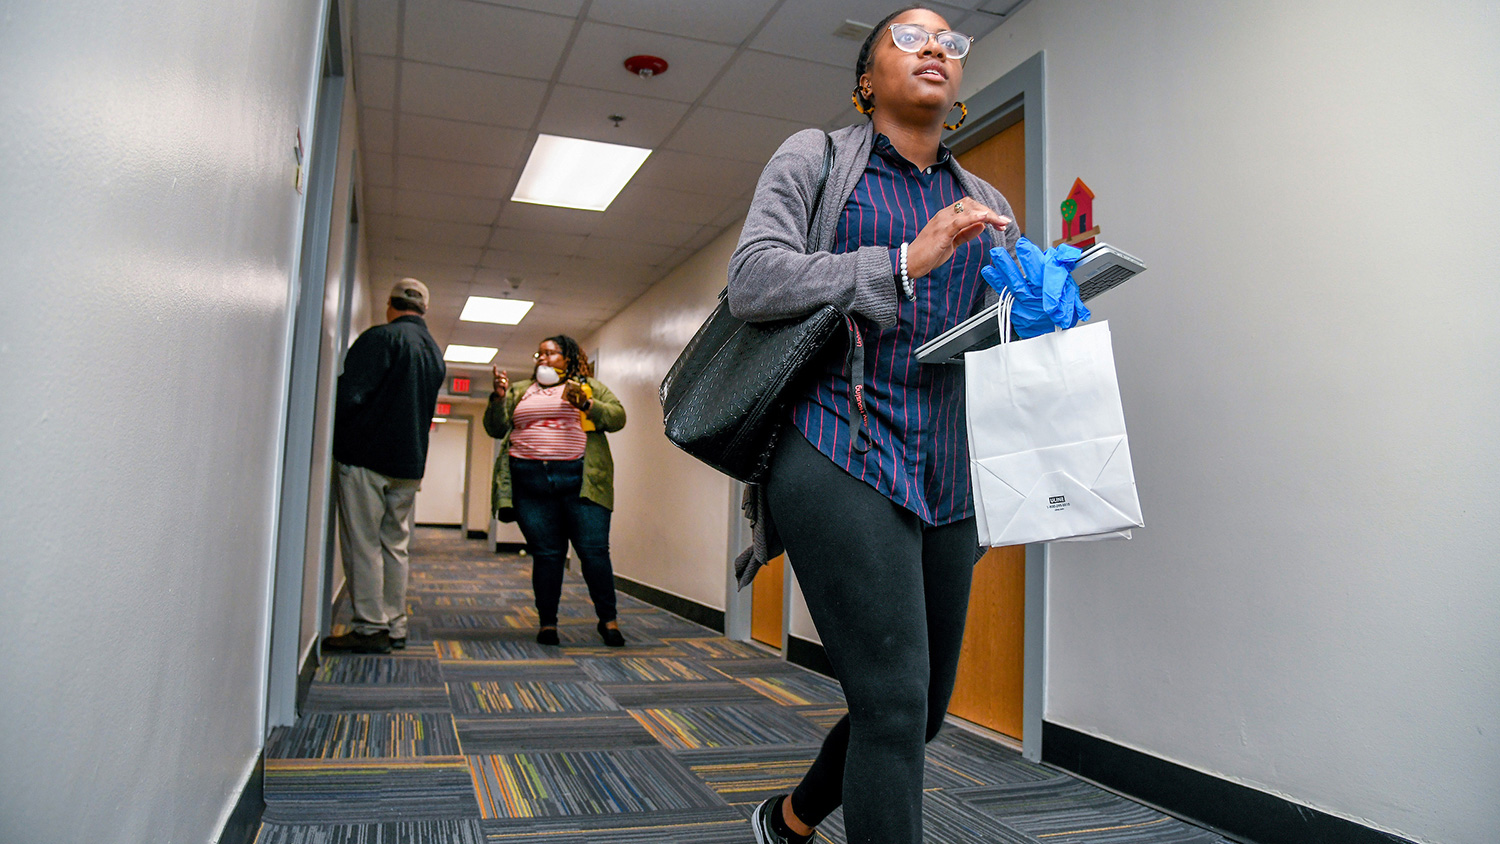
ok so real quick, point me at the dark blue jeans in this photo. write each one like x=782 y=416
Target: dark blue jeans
x=550 y=513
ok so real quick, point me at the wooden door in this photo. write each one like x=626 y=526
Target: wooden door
x=767 y=601
x=989 y=690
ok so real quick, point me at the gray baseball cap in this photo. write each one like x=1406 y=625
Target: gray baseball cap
x=411 y=292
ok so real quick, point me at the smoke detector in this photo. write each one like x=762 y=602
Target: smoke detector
x=646 y=66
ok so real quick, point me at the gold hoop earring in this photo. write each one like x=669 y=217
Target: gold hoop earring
x=964 y=115
x=857 y=105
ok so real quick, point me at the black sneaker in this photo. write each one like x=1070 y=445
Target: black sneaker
x=398 y=643
x=547 y=636
x=378 y=642
x=765 y=831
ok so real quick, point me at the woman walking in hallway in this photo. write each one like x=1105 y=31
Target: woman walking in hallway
x=868 y=487
x=555 y=476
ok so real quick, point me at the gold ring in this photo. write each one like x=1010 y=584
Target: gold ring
x=958 y=207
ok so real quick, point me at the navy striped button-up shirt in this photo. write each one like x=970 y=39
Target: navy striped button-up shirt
x=918 y=452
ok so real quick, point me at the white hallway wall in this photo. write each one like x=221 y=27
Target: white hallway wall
x=1309 y=375
x=150 y=229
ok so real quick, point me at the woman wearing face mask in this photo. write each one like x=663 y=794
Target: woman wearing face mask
x=868 y=487
x=555 y=476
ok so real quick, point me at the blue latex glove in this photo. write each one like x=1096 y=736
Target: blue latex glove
x=1027 y=315
x=1060 y=300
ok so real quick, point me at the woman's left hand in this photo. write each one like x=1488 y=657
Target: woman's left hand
x=573 y=394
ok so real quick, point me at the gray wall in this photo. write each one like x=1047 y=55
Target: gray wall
x=146 y=184
x=1309 y=371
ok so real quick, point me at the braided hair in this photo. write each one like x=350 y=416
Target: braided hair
x=578 y=362
x=863 y=103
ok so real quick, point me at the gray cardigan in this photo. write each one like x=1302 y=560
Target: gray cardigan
x=781 y=267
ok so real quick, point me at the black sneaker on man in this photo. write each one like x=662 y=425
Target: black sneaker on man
x=769 y=826
x=378 y=642
x=398 y=643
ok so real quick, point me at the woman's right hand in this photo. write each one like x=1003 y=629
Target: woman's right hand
x=502 y=380
x=949 y=228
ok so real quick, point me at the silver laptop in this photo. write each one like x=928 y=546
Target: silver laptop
x=1100 y=268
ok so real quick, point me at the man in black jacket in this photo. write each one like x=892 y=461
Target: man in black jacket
x=386 y=397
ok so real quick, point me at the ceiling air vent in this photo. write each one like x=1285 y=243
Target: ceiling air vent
x=853 y=30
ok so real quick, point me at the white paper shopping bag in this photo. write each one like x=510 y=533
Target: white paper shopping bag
x=1049 y=458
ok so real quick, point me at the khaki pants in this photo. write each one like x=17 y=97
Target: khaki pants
x=375 y=517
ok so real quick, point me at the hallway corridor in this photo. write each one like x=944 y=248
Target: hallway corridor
x=475 y=733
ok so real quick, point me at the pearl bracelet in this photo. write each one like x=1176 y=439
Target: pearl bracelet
x=907 y=287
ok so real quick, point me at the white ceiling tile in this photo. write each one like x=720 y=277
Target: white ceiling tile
x=685 y=171
x=584 y=113
x=733 y=214
x=453 y=140
x=438 y=206
x=429 y=174
x=778 y=86
x=429 y=272
x=729 y=134
x=379 y=200
x=626 y=251
x=375 y=130
x=545 y=242
x=657 y=203
x=804 y=28
x=378 y=167
x=497 y=39
x=726 y=23
x=470 y=95
x=523 y=265
x=375 y=27
x=375 y=81
x=437 y=253
x=566 y=8
x=439 y=231
x=547 y=218
x=597 y=60
x=661 y=232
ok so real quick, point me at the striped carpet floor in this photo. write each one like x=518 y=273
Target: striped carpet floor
x=475 y=734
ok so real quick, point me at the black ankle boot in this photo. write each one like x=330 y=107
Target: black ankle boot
x=611 y=636
x=547 y=636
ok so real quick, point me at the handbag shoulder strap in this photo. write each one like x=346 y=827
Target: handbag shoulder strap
x=812 y=218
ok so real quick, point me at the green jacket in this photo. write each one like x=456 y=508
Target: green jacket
x=606 y=413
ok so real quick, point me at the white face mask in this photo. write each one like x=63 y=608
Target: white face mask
x=547 y=376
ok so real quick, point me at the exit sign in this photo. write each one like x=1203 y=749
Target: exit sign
x=443 y=409
x=459 y=385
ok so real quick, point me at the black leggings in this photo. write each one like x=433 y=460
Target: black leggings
x=889 y=596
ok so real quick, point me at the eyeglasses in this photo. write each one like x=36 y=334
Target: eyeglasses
x=910 y=38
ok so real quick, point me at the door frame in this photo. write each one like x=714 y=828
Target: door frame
x=1019 y=94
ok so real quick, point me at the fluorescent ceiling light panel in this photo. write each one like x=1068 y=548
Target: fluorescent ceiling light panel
x=574 y=173
x=497 y=311
x=456 y=353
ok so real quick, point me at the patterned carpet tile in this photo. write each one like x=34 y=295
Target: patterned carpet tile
x=490 y=649
x=366 y=735
x=763 y=667
x=1068 y=811
x=699 y=826
x=300 y=791
x=572 y=731
x=636 y=669
x=399 y=670
x=647 y=695
x=716 y=648
x=471 y=600
x=666 y=626
x=635 y=648
x=960 y=759
x=460 y=670
x=697 y=728
x=802 y=689
x=330 y=697
x=824 y=716
x=503 y=697
x=531 y=785
x=397 y=832
x=748 y=775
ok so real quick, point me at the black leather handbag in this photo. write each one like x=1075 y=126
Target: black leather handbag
x=724 y=398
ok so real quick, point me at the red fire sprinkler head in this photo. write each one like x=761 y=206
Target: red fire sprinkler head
x=646 y=66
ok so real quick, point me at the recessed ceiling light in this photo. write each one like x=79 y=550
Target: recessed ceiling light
x=574 y=173
x=497 y=311
x=456 y=353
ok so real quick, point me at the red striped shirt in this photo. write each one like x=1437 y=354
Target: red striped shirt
x=545 y=427
x=919 y=451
